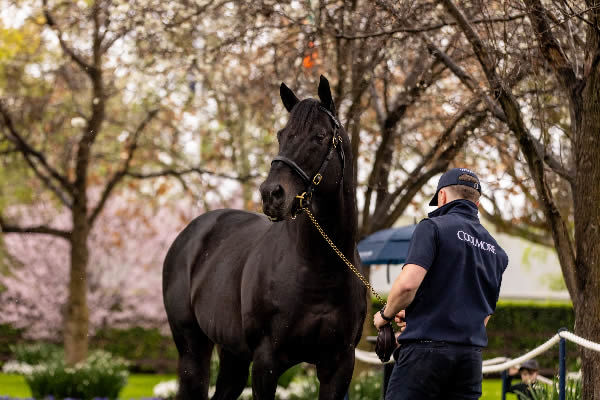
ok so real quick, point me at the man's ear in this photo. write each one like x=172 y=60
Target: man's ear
x=325 y=95
x=288 y=97
x=442 y=197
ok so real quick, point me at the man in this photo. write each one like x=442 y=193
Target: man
x=448 y=288
x=525 y=390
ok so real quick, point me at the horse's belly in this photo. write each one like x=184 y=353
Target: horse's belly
x=216 y=278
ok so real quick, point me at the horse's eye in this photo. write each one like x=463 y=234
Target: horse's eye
x=320 y=135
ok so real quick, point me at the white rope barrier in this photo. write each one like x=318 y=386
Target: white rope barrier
x=369 y=357
x=579 y=340
x=494 y=361
x=500 y=364
x=519 y=360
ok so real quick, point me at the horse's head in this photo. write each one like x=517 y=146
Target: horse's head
x=311 y=156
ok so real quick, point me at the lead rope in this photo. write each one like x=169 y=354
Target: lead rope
x=342 y=256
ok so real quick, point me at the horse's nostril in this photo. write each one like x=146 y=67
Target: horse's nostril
x=277 y=193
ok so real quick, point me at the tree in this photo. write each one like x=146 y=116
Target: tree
x=65 y=112
x=574 y=62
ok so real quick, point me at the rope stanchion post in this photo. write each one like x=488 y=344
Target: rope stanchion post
x=504 y=379
x=562 y=366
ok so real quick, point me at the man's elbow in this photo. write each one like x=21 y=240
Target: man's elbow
x=408 y=289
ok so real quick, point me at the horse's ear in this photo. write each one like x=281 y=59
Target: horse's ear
x=325 y=94
x=288 y=97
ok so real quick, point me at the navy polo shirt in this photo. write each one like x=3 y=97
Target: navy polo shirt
x=464 y=271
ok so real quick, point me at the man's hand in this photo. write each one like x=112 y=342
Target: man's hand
x=400 y=320
x=378 y=321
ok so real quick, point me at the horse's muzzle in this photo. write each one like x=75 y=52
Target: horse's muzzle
x=273 y=199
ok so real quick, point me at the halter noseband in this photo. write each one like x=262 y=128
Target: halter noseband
x=336 y=143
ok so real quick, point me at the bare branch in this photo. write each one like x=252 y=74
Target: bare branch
x=465 y=78
x=78 y=59
x=495 y=109
x=511 y=228
x=38 y=229
x=426 y=28
x=187 y=171
x=29 y=152
x=122 y=171
x=418 y=178
x=549 y=46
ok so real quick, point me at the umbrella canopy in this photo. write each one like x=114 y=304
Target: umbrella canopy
x=389 y=246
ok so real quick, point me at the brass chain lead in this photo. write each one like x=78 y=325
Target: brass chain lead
x=342 y=256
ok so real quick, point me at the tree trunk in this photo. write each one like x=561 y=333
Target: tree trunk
x=586 y=198
x=587 y=325
x=77 y=317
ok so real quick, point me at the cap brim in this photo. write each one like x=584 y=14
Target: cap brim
x=434 y=200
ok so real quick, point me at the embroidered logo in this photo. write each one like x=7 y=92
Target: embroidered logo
x=473 y=241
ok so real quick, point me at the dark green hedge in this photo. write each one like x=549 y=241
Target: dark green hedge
x=147 y=349
x=517 y=327
x=8 y=336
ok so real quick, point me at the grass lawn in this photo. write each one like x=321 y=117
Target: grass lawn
x=140 y=385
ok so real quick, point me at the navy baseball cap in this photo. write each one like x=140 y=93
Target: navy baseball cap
x=451 y=178
x=531 y=365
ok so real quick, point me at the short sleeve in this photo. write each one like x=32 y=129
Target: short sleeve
x=423 y=245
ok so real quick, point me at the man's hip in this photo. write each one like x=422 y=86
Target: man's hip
x=436 y=370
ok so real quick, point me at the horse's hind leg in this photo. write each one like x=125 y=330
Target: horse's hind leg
x=233 y=375
x=195 y=350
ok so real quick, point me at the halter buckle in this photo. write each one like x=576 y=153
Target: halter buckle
x=304 y=197
x=317 y=179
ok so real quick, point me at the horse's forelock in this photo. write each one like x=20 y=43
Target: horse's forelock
x=303 y=116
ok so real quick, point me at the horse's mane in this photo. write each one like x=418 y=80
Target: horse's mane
x=303 y=115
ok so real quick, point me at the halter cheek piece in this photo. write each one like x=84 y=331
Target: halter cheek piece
x=336 y=143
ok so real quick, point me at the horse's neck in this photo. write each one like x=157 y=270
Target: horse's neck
x=338 y=220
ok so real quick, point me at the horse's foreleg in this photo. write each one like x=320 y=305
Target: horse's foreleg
x=265 y=372
x=335 y=375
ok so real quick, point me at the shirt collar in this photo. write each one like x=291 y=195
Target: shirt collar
x=460 y=206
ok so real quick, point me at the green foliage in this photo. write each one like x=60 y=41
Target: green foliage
x=8 y=336
x=550 y=392
x=148 y=350
x=101 y=375
x=286 y=378
x=367 y=386
x=304 y=387
x=36 y=353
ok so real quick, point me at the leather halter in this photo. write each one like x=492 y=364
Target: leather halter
x=336 y=143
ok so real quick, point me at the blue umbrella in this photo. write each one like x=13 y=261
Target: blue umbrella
x=389 y=246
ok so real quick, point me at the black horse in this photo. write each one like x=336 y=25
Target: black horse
x=271 y=291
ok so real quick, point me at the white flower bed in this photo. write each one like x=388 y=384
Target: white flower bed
x=168 y=390
x=16 y=367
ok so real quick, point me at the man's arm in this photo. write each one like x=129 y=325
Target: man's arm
x=485 y=321
x=403 y=292
x=404 y=288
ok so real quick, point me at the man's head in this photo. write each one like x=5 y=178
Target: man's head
x=458 y=183
x=529 y=371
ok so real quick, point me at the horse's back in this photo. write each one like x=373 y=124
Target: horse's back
x=204 y=266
